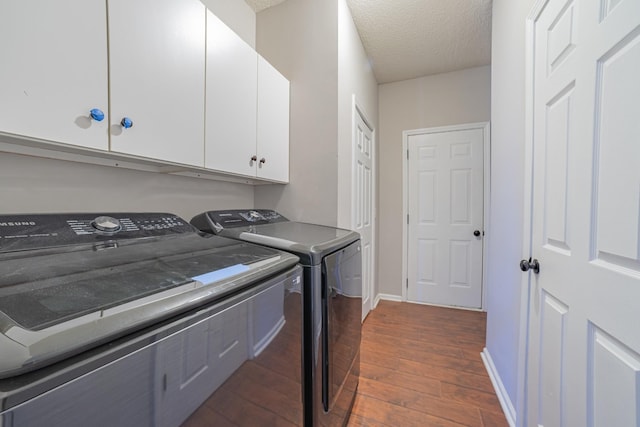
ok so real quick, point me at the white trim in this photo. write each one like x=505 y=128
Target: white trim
x=376 y=301
x=486 y=236
x=498 y=386
x=444 y=306
x=405 y=211
x=398 y=298
x=487 y=197
x=356 y=108
x=388 y=297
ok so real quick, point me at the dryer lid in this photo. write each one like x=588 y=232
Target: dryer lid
x=310 y=242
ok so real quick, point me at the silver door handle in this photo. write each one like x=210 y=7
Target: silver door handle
x=526 y=265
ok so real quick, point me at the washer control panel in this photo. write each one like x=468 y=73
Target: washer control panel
x=20 y=232
x=106 y=224
x=252 y=216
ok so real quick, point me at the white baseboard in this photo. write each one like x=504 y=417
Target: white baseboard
x=376 y=300
x=501 y=392
x=388 y=297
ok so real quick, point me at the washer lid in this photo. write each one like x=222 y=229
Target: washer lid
x=40 y=289
x=67 y=285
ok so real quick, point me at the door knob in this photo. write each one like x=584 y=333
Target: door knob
x=263 y=160
x=476 y=233
x=530 y=265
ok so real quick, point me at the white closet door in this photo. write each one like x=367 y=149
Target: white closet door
x=363 y=204
x=446 y=218
x=584 y=347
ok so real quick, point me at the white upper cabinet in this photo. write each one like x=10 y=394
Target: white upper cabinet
x=232 y=78
x=247 y=118
x=128 y=77
x=156 y=75
x=53 y=70
x=273 y=123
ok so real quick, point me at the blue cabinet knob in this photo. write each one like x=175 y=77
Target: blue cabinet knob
x=126 y=122
x=97 y=114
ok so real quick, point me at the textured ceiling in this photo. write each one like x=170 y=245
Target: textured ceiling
x=405 y=39
x=258 y=5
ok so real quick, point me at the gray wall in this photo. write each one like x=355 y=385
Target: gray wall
x=443 y=99
x=507 y=164
x=35 y=185
x=300 y=38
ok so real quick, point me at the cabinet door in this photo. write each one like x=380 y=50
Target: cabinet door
x=185 y=373
x=273 y=123
x=232 y=79
x=118 y=394
x=266 y=317
x=194 y=362
x=156 y=76
x=53 y=70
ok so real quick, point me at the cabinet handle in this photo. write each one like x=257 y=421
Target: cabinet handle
x=126 y=122
x=97 y=114
x=254 y=158
x=263 y=160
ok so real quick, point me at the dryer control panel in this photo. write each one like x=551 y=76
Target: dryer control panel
x=215 y=221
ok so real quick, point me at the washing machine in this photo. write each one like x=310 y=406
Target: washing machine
x=139 y=319
x=332 y=301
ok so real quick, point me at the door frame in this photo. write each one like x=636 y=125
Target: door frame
x=485 y=127
x=357 y=110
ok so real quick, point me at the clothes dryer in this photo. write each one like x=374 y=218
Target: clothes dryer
x=332 y=301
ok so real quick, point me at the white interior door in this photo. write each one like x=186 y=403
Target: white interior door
x=445 y=224
x=584 y=344
x=363 y=204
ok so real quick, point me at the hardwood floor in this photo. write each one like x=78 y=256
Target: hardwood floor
x=421 y=366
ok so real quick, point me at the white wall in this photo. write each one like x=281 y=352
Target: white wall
x=355 y=77
x=439 y=100
x=507 y=180
x=35 y=185
x=300 y=38
x=238 y=15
